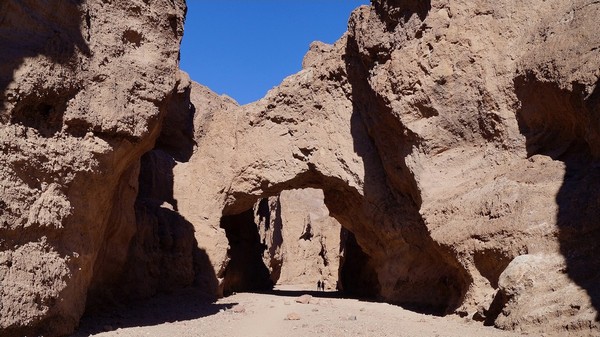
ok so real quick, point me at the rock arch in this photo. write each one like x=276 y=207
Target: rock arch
x=259 y=150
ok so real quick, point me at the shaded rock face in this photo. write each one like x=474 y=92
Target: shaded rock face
x=245 y=269
x=162 y=254
x=357 y=276
x=84 y=86
x=455 y=141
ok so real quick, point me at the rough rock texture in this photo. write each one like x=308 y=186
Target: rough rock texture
x=454 y=141
x=83 y=88
x=189 y=187
x=302 y=242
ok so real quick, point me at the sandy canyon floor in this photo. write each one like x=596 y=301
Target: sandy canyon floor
x=273 y=314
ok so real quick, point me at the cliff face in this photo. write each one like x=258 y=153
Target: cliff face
x=455 y=141
x=494 y=102
x=83 y=88
x=302 y=242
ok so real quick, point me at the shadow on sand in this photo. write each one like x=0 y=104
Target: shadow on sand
x=183 y=305
x=298 y=293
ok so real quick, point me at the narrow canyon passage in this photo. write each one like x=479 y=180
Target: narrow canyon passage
x=291 y=240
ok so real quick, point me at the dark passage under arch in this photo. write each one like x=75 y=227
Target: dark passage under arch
x=246 y=270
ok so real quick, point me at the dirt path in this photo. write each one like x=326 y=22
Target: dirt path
x=264 y=315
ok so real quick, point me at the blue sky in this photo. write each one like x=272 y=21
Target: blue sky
x=243 y=48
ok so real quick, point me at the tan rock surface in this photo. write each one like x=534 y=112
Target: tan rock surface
x=455 y=143
x=311 y=239
x=83 y=88
x=302 y=240
x=448 y=138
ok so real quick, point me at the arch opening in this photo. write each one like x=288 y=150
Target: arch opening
x=357 y=274
x=291 y=242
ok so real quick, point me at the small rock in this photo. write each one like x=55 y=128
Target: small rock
x=352 y=318
x=362 y=309
x=304 y=299
x=238 y=309
x=315 y=309
x=292 y=316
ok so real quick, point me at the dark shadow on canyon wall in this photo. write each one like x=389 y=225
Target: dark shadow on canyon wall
x=395 y=11
x=436 y=282
x=29 y=28
x=563 y=124
x=162 y=254
x=357 y=276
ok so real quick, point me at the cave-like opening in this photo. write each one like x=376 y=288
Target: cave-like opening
x=290 y=241
x=245 y=270
x=356 y=273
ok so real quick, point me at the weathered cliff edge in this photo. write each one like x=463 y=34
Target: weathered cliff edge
x=455 y=140
x=84 y=86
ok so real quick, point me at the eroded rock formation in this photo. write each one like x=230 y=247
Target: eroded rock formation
x=454 y=140
x=84 y=86
x=455 y=143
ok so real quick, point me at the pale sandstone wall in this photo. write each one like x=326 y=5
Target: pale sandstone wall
x=450 y=138
x=302 y=240
x=311 y=239
x=457 y=141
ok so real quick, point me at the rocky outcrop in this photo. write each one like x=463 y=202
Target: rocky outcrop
x=453 y=141
x=84 y=86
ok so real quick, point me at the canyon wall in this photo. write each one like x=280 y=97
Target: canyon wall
x=301 y=240
x=84 y=86
x=454 y=142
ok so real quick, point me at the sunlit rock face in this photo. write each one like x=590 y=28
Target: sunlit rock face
x=301 y=240
x=454 y=142
x=449 y=138
x=84 y=86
